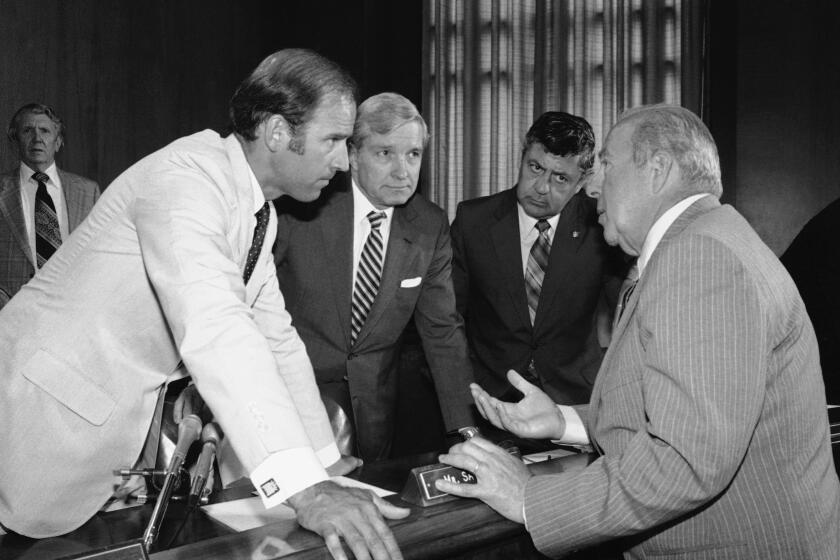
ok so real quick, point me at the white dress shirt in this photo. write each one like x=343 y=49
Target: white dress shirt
x=28 y=190
x=528 y=233
x=361 y=227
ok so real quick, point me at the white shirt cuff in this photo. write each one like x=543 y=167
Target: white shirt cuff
x=575 y=433
x=328 y=455
x=286 y=473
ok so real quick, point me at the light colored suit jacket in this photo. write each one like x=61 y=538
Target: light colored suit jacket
x=314 y=255
x=708 y=411
x=152 y=279
x=16 y=264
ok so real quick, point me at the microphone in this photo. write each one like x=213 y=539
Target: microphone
x=210 y=438
x=188 y=431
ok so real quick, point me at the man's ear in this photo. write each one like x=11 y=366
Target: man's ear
x=59 y=143
x=661 y=165
x=276 y=132
x=352 y=154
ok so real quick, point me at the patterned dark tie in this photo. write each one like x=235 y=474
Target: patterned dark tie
x=47 y=232
x=626 y=291
x=367 y=276
x=537 y=265
x=256 y=245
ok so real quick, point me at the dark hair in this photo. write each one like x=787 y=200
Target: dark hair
x=384 y=112
x=290 y=83
x=563 y=134
x=38 y=109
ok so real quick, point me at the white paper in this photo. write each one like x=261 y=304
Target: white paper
x=247 y=513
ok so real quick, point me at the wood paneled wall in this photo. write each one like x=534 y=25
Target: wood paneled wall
x=128 y=76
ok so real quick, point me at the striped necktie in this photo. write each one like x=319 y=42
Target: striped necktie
x=47 y=232
x=367 y=276
x=256 y=245
x=537 y=265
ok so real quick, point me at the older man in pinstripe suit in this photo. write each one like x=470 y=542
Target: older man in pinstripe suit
x=708 y=414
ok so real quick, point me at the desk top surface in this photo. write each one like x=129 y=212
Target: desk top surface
x=438 y=531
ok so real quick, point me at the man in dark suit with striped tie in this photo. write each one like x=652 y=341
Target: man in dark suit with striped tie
x=531 y=269
x=357 y=265
x=40 y=204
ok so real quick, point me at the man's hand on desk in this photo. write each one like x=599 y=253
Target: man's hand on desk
x=335 y=512
x=500 y=476
x=345 y=465
x=535 y=416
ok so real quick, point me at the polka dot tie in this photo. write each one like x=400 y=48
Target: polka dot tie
x=256 y=244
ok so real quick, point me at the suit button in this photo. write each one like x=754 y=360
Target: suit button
x=351 y=355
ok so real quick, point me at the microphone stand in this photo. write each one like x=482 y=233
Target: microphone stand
x=188 y=431
x=211 y=435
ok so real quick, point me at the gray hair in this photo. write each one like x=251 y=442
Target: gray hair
x=681 y=133
x=35 y=109
x=382 y=113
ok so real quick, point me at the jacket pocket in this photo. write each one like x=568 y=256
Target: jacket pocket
x=69 y=387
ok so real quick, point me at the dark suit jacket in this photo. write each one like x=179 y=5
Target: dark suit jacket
x=813 y=260
x=490 y=289
x=16 y=264
x=314 y=265
x=708 y=413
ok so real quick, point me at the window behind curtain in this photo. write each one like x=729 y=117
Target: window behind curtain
x=491 y=67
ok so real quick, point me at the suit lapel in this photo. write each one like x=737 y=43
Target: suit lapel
x=73 y=200
x=10 y=209
x=699 y=207
x=398 y=259
x=567 y=239
x=504 y=234
x=337 y=243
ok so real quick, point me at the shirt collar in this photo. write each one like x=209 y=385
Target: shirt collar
x=259 y=197
x=527 y=223
x=26 y=173
x=362 y=206
x=661 y=225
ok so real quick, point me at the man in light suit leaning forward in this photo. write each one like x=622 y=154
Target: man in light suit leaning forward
x=172 y=273
x=37 y=192
x=352 y=325
x=708 y=415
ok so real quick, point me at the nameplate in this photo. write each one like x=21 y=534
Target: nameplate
x=132 y=550
x=420 y=487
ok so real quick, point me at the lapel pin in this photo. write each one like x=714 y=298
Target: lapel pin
x=575 y=234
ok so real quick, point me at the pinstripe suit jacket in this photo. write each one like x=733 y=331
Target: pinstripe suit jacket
x=708 y=412
x=16 y=264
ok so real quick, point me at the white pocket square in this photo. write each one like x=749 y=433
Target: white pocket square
x=410 y=282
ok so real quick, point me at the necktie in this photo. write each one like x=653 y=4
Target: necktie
x=626 y=291
x=368 y=275
x=47 y=233
x=537 y=265
x=256 y=245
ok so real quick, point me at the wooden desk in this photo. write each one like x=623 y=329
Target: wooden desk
x=464 y=528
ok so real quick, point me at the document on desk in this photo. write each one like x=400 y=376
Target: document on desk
x=247 y=513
